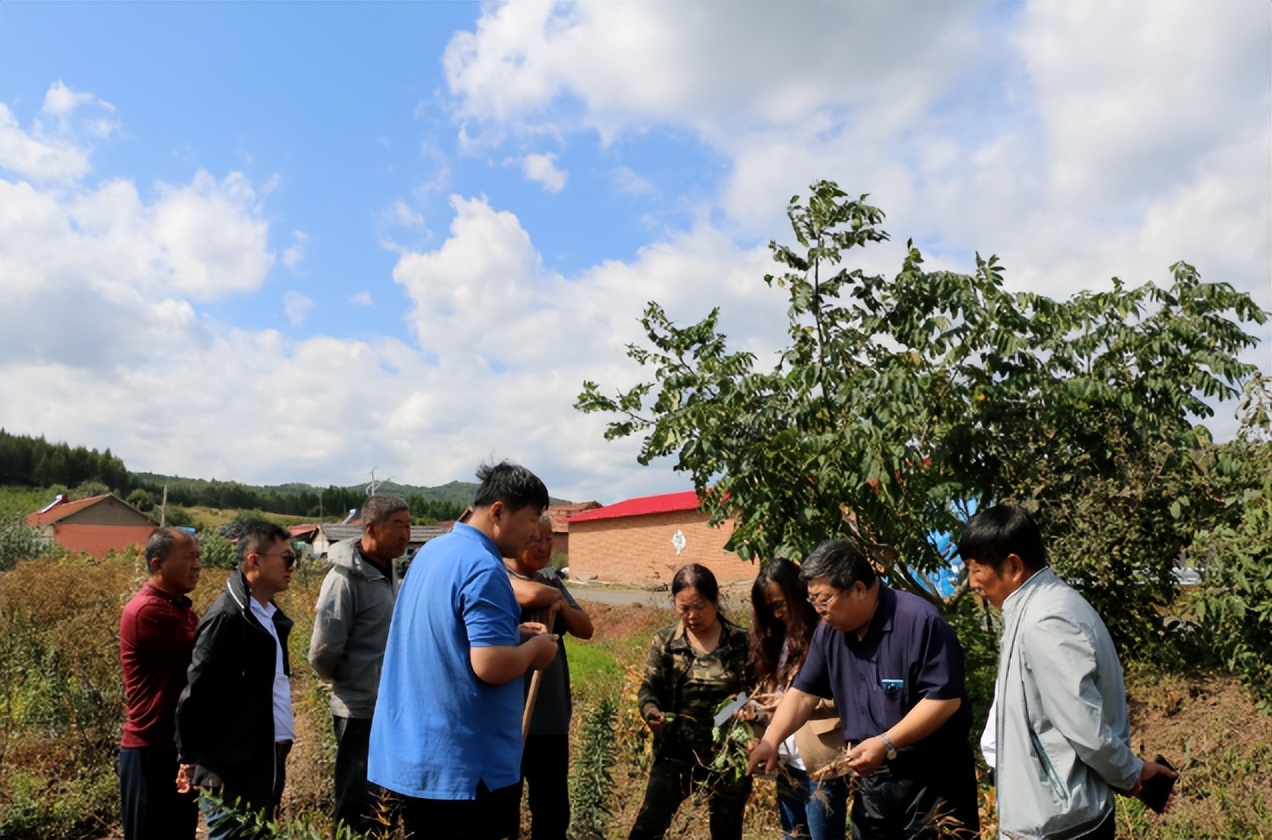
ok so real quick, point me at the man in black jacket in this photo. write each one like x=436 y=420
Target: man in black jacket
x=234 y=719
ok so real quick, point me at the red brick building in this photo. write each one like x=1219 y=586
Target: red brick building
x=560 y=516
x=646 y=540
x=93 y=526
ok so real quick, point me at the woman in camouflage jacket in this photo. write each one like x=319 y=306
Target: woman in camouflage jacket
x=692 y=667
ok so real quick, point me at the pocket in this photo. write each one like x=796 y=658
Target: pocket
x=1048 y=769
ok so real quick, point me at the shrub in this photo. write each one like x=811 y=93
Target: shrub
x=1235 y=606
x=18 y=541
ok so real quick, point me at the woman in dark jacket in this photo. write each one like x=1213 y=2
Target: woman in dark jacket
x=693 y=666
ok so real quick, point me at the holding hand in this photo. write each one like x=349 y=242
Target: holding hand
x=763 y=759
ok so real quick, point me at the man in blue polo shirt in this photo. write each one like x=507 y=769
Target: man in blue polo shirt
x=895 y=670
x=446 y=733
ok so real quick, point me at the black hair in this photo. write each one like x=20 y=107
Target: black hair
x=700 y=578
x=377 y=509
x=840 y=563
x=769 y=634
x=258 y=534
x=160 y=545
x=511 y=484
x=994 y=533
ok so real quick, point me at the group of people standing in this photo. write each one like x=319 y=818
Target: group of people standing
x=859 y=688
x=427 y=676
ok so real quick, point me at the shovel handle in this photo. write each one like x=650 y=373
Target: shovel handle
x=531 y=697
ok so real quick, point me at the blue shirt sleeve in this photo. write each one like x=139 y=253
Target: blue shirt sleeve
x=489 y=608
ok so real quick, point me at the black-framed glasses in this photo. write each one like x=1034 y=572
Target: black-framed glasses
x=291 y=559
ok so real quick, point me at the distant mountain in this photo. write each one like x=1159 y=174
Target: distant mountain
x=458 y=492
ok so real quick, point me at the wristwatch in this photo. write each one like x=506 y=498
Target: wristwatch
x=890 y=749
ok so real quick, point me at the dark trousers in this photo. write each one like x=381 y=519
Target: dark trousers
x=363 y=806
x=240 y=813
x=150 y=806
x=545 y=769
x=488 y=817
x=670 y=783
x=924 y=801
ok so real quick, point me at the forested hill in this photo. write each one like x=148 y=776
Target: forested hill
x=33 y=462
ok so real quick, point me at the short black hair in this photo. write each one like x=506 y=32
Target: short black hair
x=377 y=509
x=996 y=532
x=258 y=534
x=700 y=578
x=160 y=544
x=840 y=563
x=510 y=483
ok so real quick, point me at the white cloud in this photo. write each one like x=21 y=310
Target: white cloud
x=297 y=307
x=212 y=236
x=699 y=64
x=542 y=169
x=362 y=299
x=627 y=182
x=96 y=277
x=38 y=158
x=401 y=213
x=60 y=101
x=295 y=252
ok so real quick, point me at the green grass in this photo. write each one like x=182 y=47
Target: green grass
x=594 y=672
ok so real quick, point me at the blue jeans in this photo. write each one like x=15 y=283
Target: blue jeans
x=811 y=810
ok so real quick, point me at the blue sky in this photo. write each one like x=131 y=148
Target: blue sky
x=281 y=242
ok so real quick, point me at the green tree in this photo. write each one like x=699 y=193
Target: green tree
x=899 y=402
x=1234 y=556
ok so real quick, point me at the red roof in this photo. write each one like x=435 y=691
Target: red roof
x=643 y=506
x=58 y=512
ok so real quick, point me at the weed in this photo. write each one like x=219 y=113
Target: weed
x=591 y=780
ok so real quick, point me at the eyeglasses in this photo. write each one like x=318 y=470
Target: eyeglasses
x=824 y=603
x=290 y=559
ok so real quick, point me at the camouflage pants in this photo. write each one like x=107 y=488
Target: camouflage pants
x=671 y=781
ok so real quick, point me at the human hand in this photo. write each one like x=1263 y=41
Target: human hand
x=529 y=629
x=543 y=649
x=866 y=757
x=763 y=759
x=1156 y=785
x=185 y=778
x=654 y=719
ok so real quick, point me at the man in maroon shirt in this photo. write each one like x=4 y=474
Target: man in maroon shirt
x=156 y=637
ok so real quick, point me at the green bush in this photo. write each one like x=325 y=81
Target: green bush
x=18 y=541
x=1235 y=607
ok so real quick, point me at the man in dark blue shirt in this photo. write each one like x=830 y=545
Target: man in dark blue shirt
x=895 y=670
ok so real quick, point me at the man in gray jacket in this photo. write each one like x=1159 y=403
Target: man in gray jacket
x=351 y=625
x=1063 y=736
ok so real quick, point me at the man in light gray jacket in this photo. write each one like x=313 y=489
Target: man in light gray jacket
x=1063 y=736
x=351 y=624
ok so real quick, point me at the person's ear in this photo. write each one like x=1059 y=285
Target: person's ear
x=497 y=512
x=1015 y=567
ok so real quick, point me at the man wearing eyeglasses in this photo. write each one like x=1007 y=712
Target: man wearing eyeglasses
x=894 y=668
x=234 y=719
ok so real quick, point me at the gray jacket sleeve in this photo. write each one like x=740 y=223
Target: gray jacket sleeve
x=1070 y=665
x=333 y=621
